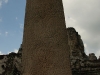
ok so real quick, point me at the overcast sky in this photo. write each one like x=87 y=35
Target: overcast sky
x=83 y=15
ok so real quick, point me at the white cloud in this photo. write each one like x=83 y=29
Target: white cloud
x=0 y=33
x=16 y=18
x=85 y=45
x=8 y=52
x=1 y=53
x=6 y=33
x=97 y=53
x=15 y=50
x=86 y=49
x=87 y=52
x=2 y=2
x=0 y=19
x=6 y=1
x=21 y=26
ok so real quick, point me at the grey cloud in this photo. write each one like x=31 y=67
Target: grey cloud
x=84 y=16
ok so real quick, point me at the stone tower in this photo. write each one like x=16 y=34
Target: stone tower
x=45 y=46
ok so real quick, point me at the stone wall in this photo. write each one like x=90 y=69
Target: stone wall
x=81 y=64
x=10 y=64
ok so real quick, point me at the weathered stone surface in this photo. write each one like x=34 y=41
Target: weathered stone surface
x=45 y=45
x=10 y=64
x=3 y=59
x=81 y=64
x=92 y=57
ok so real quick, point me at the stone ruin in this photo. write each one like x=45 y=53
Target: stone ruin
x=81 y=64
x=10 y=64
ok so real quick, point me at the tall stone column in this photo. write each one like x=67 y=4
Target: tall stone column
x=45 y=46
